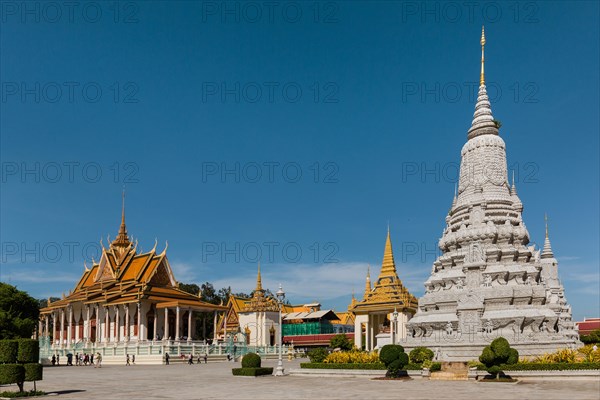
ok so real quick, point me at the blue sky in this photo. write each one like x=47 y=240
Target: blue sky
x=297 y=131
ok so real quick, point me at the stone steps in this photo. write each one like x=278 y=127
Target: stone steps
x=448 y=376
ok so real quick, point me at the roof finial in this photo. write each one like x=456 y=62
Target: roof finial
x=513 y=189
x=258 y=280
x=547 y=250
x=122 y=240
x=368 y=282
x=482 y=78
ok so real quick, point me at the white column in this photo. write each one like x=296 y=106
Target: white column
x=47 y=325
x=139 y=318
x=189 y=335
x=87 y=329
x=126 y=322
x=155 y=323
x=166 y=323
x=62 y=327
x=215 y=327
x=70 y=324
x=117 y=324
x=107 y=324
x=177 y=323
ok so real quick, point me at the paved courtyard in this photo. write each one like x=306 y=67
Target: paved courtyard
x=214 y=381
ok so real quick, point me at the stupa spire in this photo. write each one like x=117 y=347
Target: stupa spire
x=388 y=266
x=483 y=120
x=513 y=189
x=482 y=77
x=122 y=240
x=259 y=287
x=547 y=250
x=368 y=282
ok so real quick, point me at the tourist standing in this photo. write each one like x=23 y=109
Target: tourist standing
x=205 y=358
x=58 y=359
x=98 y=360
x=166 y=358
x=53 y=359
x=133 y=359
x=127 y=363
x=92 y=359
x=191 y=359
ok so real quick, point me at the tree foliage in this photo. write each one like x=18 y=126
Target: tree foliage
x=496 y=354
x=19 y=313
x=340 y=341
x=394 y=358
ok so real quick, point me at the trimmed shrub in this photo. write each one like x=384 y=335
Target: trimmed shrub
x=513 y=357
x=12 y=373
x=496 y=355
x=33 y=372
x=419 y=355
x=436 y=366
x=8 y=351
x=377 y=366
x=551 y=367
x=394 y=358
x=389 y=353
x=29 y=351
x=251 y=360
x=353 y=356
x=252 y=371
x=317 y=355
x=501 y=349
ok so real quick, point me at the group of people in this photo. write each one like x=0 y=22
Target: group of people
x=190 y=358
x=130 y=360
x=81 y=359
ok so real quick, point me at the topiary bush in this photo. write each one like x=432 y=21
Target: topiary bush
x=8 y=351
x=251 y=360
x=419 y=355
x=33 y=372
x=12 y=373
x=29 y=351
x=513 y=358
x=394 y=358
x=317 y=355
x=496 y=354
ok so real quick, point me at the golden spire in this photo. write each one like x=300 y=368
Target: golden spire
x=122 y=240
x=259 y=287
x=368 y=282
x=482 y=78
x=388 y=266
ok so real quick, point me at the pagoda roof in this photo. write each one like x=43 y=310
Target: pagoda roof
x=123 y=276
x=388 y=293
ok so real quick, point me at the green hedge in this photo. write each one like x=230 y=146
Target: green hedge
x=251 y=360
x=33 y=372
x=252 y=371
x=8 y=351
x=29 y=351
x=378 y=366
x=545 y=367
x=11 y=373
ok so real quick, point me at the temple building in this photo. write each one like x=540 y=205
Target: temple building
x=254 y=321
x=489 y=281
x=382 y=314
x=126 y=297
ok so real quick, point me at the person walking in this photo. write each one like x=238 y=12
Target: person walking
x=58 y=359
x=191 y=359
x=98 y=360
x=205 y=358
x=133 y=359
x=53 y=359
x=127 y=363
x=92 y=359
x=166 y=358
